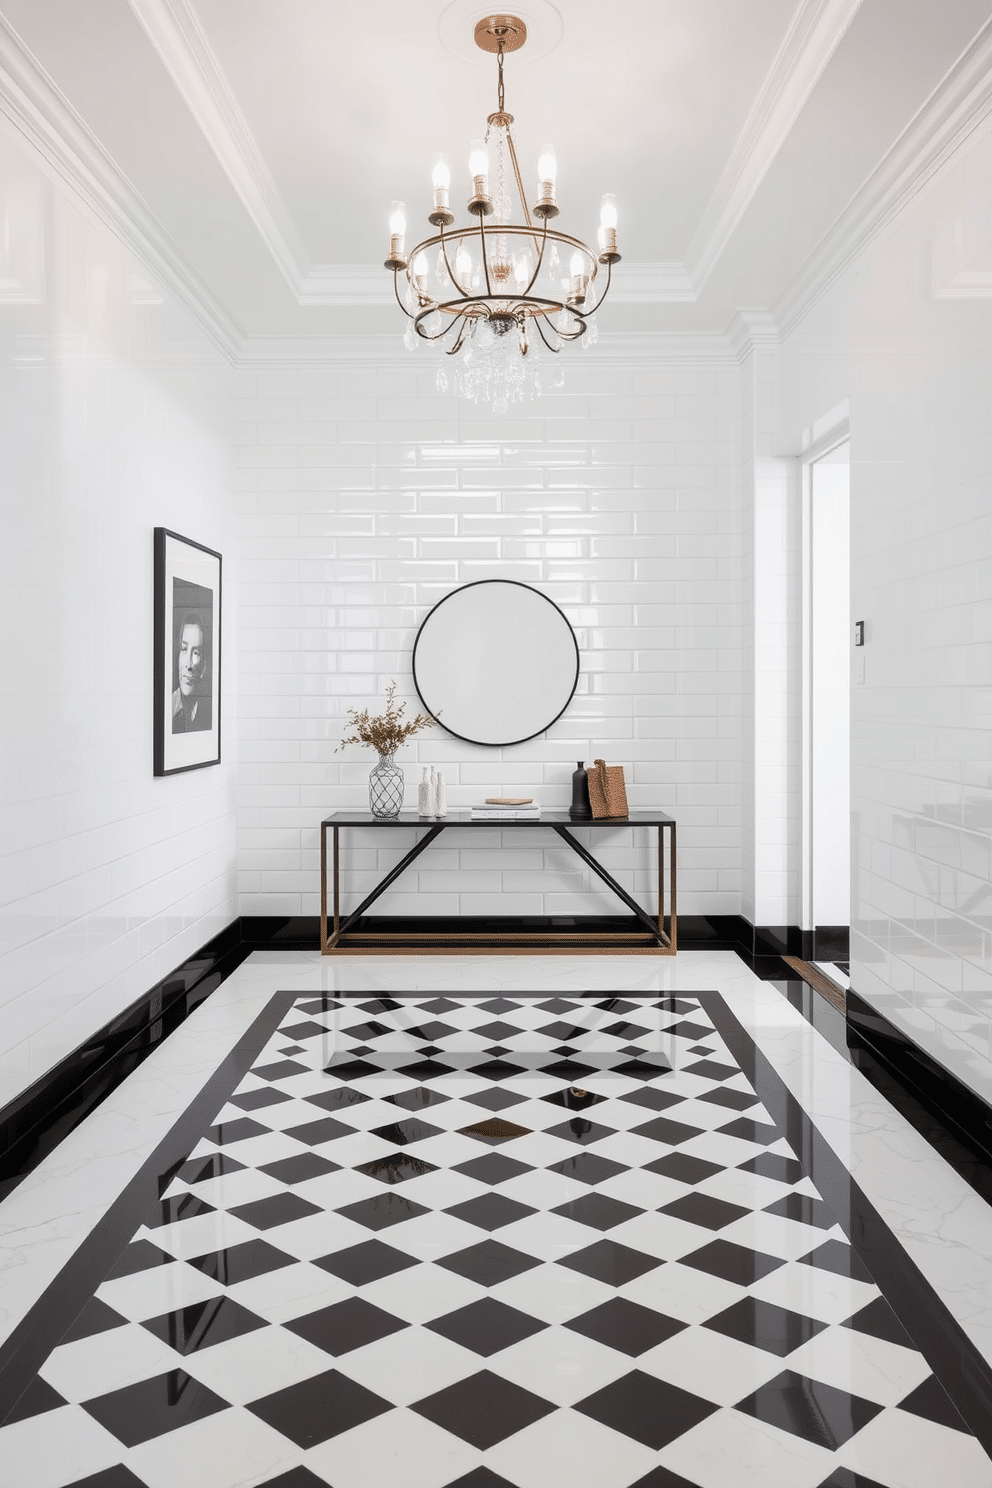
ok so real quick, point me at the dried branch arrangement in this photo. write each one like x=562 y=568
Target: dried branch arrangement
x=384 y=732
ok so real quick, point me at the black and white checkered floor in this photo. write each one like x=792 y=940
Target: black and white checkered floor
x=497 y=1242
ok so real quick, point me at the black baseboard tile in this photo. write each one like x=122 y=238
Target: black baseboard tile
x=831 y=943
x=41 y=1116
x=948 y=1102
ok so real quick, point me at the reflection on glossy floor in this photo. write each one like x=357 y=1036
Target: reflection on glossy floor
x=484 y=1241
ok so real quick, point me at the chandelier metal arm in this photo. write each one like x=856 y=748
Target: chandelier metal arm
x=485 y=259
x=540 y=257
x=447 y=263
x=396 y=292
x=606 y=290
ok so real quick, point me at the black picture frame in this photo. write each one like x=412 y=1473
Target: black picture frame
x=187 y=664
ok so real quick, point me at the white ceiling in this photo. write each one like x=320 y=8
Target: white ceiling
x=249 y=149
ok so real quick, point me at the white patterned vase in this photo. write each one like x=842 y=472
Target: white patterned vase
x=386 y=784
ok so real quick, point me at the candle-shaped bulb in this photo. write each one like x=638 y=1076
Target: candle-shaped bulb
x=397 y=220
x=463 y=263
x=521 y=271
x=441 y=173
x=420 y=266
x=608 y=229
x=577 y=266
x=608 y=211
x=547 y=165
x=478 y=160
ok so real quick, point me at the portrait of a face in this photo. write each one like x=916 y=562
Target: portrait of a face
x=191 y=655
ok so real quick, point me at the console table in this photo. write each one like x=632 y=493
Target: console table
x=358 y=933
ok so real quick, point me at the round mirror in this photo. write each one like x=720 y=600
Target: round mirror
x=495 y=662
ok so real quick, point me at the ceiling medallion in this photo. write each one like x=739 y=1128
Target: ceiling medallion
x=497 y=293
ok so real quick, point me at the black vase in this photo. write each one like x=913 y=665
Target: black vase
x=580 y=809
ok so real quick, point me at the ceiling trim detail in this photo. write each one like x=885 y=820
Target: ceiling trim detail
x=956 y=107
x=343 y=353
x=815 y=33
x=68 y=152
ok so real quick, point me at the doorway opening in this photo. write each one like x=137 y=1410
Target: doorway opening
x=827 y=706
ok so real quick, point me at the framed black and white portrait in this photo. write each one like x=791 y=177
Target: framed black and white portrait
x=187 y=654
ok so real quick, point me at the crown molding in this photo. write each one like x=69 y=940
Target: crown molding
x=752 y=330
x=70 y=154
x=175 y=32
x=816 y=31
x=956 y=107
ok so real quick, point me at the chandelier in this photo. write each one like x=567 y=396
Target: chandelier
x=496 y=294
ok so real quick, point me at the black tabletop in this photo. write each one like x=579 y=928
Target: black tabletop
x=460 y=817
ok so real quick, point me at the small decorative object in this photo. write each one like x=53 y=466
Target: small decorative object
x=187 y=654
x=509 y=800
x=441 y=801
x=425 y=801
x=580 y=809
x=384 y=732
x=607 y=791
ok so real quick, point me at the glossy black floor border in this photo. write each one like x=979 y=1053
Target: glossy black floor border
x=56 y=1309
x=964 y=1373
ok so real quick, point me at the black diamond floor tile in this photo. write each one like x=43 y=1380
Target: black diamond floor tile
x=297 y=1477
x=403 y=1133
x=734 y=1100
x=338 y=1099
x=817 y=1412
x=345 y=1326
x=654 y=1100
x=483 y=1409
x=842 y=1259
x=569 y=1069
x=660 y=1477
x=628 y=1031
x=299 y=1168
x=226 y=1132
x=493 y=1131
x=203 y=1324
x=737 y=1263
x=499 y=1005
x=360 y=1264
x=417 y=1099
x=561 y=1031
x=493 y=1168
x=558 y=1005
x=803 y=1208
x=750 y=1130
x=38 y=1398
x=712 y=1069
x=664 y=1129
x=212 y=1165
x=642 y=1069
x=179 y=1206
x=480 y=1477
x=497 y=1030
x=573 y=1098
x=441 y=1005
x=496 y=1069
x=140 y=1255
x=597 y=1210
x=880 y=1321
x=772 y=1165
x=362 y=1032
x=688 y=1030
x=645 y=1408
x=396 y=1167
x=588 y=1167
x=241 y=1262
x=96 y=1317
x=433 y=1029
x=765 y=1326
x=490 y=1211
x=382 y=1211
x=702 y=1209
x=611 y=1262
x=304 y=1030
x=488 y=1263
x=318 y=1408
x=150 y=1408
x=254 y=1100
x=579 y=1130
x=486 y=1326
x=345 y=1067
x=281 y=1070
x=425 y=1069
x=495 y=1098
x=844 y=1478
x=626 y=1326
x=700 y=1049
x=930 y=1400
x=313 y=1133
x=379 y=1005
x=118 y=1476
x=280 y=1209
x=682 y=1167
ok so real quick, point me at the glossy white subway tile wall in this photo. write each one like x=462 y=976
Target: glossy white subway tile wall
x=906 y=335
x=366 y=496
x=114 y=418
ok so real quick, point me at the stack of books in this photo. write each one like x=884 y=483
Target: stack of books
x=497 y=811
